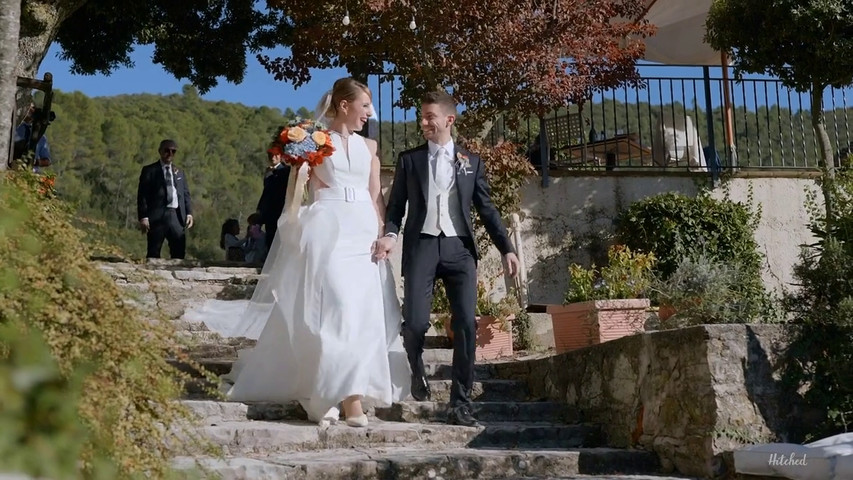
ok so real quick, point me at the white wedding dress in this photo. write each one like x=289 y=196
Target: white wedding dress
x=326 y=317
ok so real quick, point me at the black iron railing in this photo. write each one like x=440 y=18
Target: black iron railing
x=666 y=123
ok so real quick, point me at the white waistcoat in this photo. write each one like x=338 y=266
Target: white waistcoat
x=444 y=213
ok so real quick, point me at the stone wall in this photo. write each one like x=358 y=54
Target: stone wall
x=690 y=395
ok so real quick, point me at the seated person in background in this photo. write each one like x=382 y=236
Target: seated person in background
x=230 y=242
x=256 y=243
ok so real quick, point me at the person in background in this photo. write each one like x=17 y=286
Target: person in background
x=256 y=243
x=163 y=204
x=271 y=203
x=229 y=241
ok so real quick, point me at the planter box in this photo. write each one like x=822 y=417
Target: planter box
x=492 y=342
x=582 y=324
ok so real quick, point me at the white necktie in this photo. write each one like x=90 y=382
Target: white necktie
x=443 y=169
x=170 y=186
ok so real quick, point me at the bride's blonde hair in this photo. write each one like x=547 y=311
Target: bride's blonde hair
x=345 y=89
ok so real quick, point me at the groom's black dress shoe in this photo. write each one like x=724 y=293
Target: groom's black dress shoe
x=462 y=415
x=420 y=387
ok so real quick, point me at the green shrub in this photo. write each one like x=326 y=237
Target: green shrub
x=701 y=291
x=507 y=170
x=48 y=284
x=674 y=227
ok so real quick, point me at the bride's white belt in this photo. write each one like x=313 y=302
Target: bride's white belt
x=344 y=194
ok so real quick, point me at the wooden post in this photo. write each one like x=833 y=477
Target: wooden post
x=727 y=113
x=521 y=278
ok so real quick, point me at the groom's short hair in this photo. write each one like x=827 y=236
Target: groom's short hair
x=441 y=98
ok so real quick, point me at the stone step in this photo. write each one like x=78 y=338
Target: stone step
x=488 y=390
x=613 y=476
x=426 y=412
x=212 y=412
x=189 y=326
x=438 y=355
x=437 y=341
x=210 y=346
x=446 y=464
x=434 y=371
x=264 y=438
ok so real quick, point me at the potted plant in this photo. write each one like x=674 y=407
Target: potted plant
x=494 y=321
x=604 y=304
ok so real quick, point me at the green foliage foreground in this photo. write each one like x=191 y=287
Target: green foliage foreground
x=103 y=353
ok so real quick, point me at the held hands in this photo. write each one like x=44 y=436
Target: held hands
x=382 y=248
x=512 y=264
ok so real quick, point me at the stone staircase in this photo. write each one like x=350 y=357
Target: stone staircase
x=521 y=437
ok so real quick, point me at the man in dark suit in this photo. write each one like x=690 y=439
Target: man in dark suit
x=440 y=181
x=271 y=203
x=163 y=204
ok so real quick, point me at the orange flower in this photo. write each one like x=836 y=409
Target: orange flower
x=319 y=138
x=296 y=134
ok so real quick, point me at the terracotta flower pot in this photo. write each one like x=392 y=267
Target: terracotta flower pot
x=582 y=324
x=492 y=341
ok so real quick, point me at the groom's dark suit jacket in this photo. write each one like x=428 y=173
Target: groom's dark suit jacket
x=151 y=194
x=411 y=184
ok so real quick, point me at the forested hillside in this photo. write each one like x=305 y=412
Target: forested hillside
x=100 y=144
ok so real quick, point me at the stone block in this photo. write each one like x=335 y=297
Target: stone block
x=202 y=276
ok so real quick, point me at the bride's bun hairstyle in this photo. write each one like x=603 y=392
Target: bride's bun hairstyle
x=345 y=89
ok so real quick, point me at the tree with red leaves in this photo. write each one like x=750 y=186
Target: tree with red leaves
x=525 y=56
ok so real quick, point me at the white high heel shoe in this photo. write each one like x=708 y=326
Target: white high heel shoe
x=359 y=421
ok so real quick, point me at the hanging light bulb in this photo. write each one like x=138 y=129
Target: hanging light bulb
x=412 y=24
x=346 y=19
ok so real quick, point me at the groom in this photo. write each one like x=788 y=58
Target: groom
x=440 y=180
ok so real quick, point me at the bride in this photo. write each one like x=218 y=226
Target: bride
x=325 y=312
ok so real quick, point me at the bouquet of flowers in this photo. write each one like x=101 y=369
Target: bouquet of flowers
x=302 y=141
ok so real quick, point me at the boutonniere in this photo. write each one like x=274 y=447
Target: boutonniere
x=463 y=163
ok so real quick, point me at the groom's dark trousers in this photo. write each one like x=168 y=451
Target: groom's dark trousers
x=450 y=259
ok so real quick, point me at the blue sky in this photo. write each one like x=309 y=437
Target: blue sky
x=260 y=89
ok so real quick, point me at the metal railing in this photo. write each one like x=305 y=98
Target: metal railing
x=771 y=124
